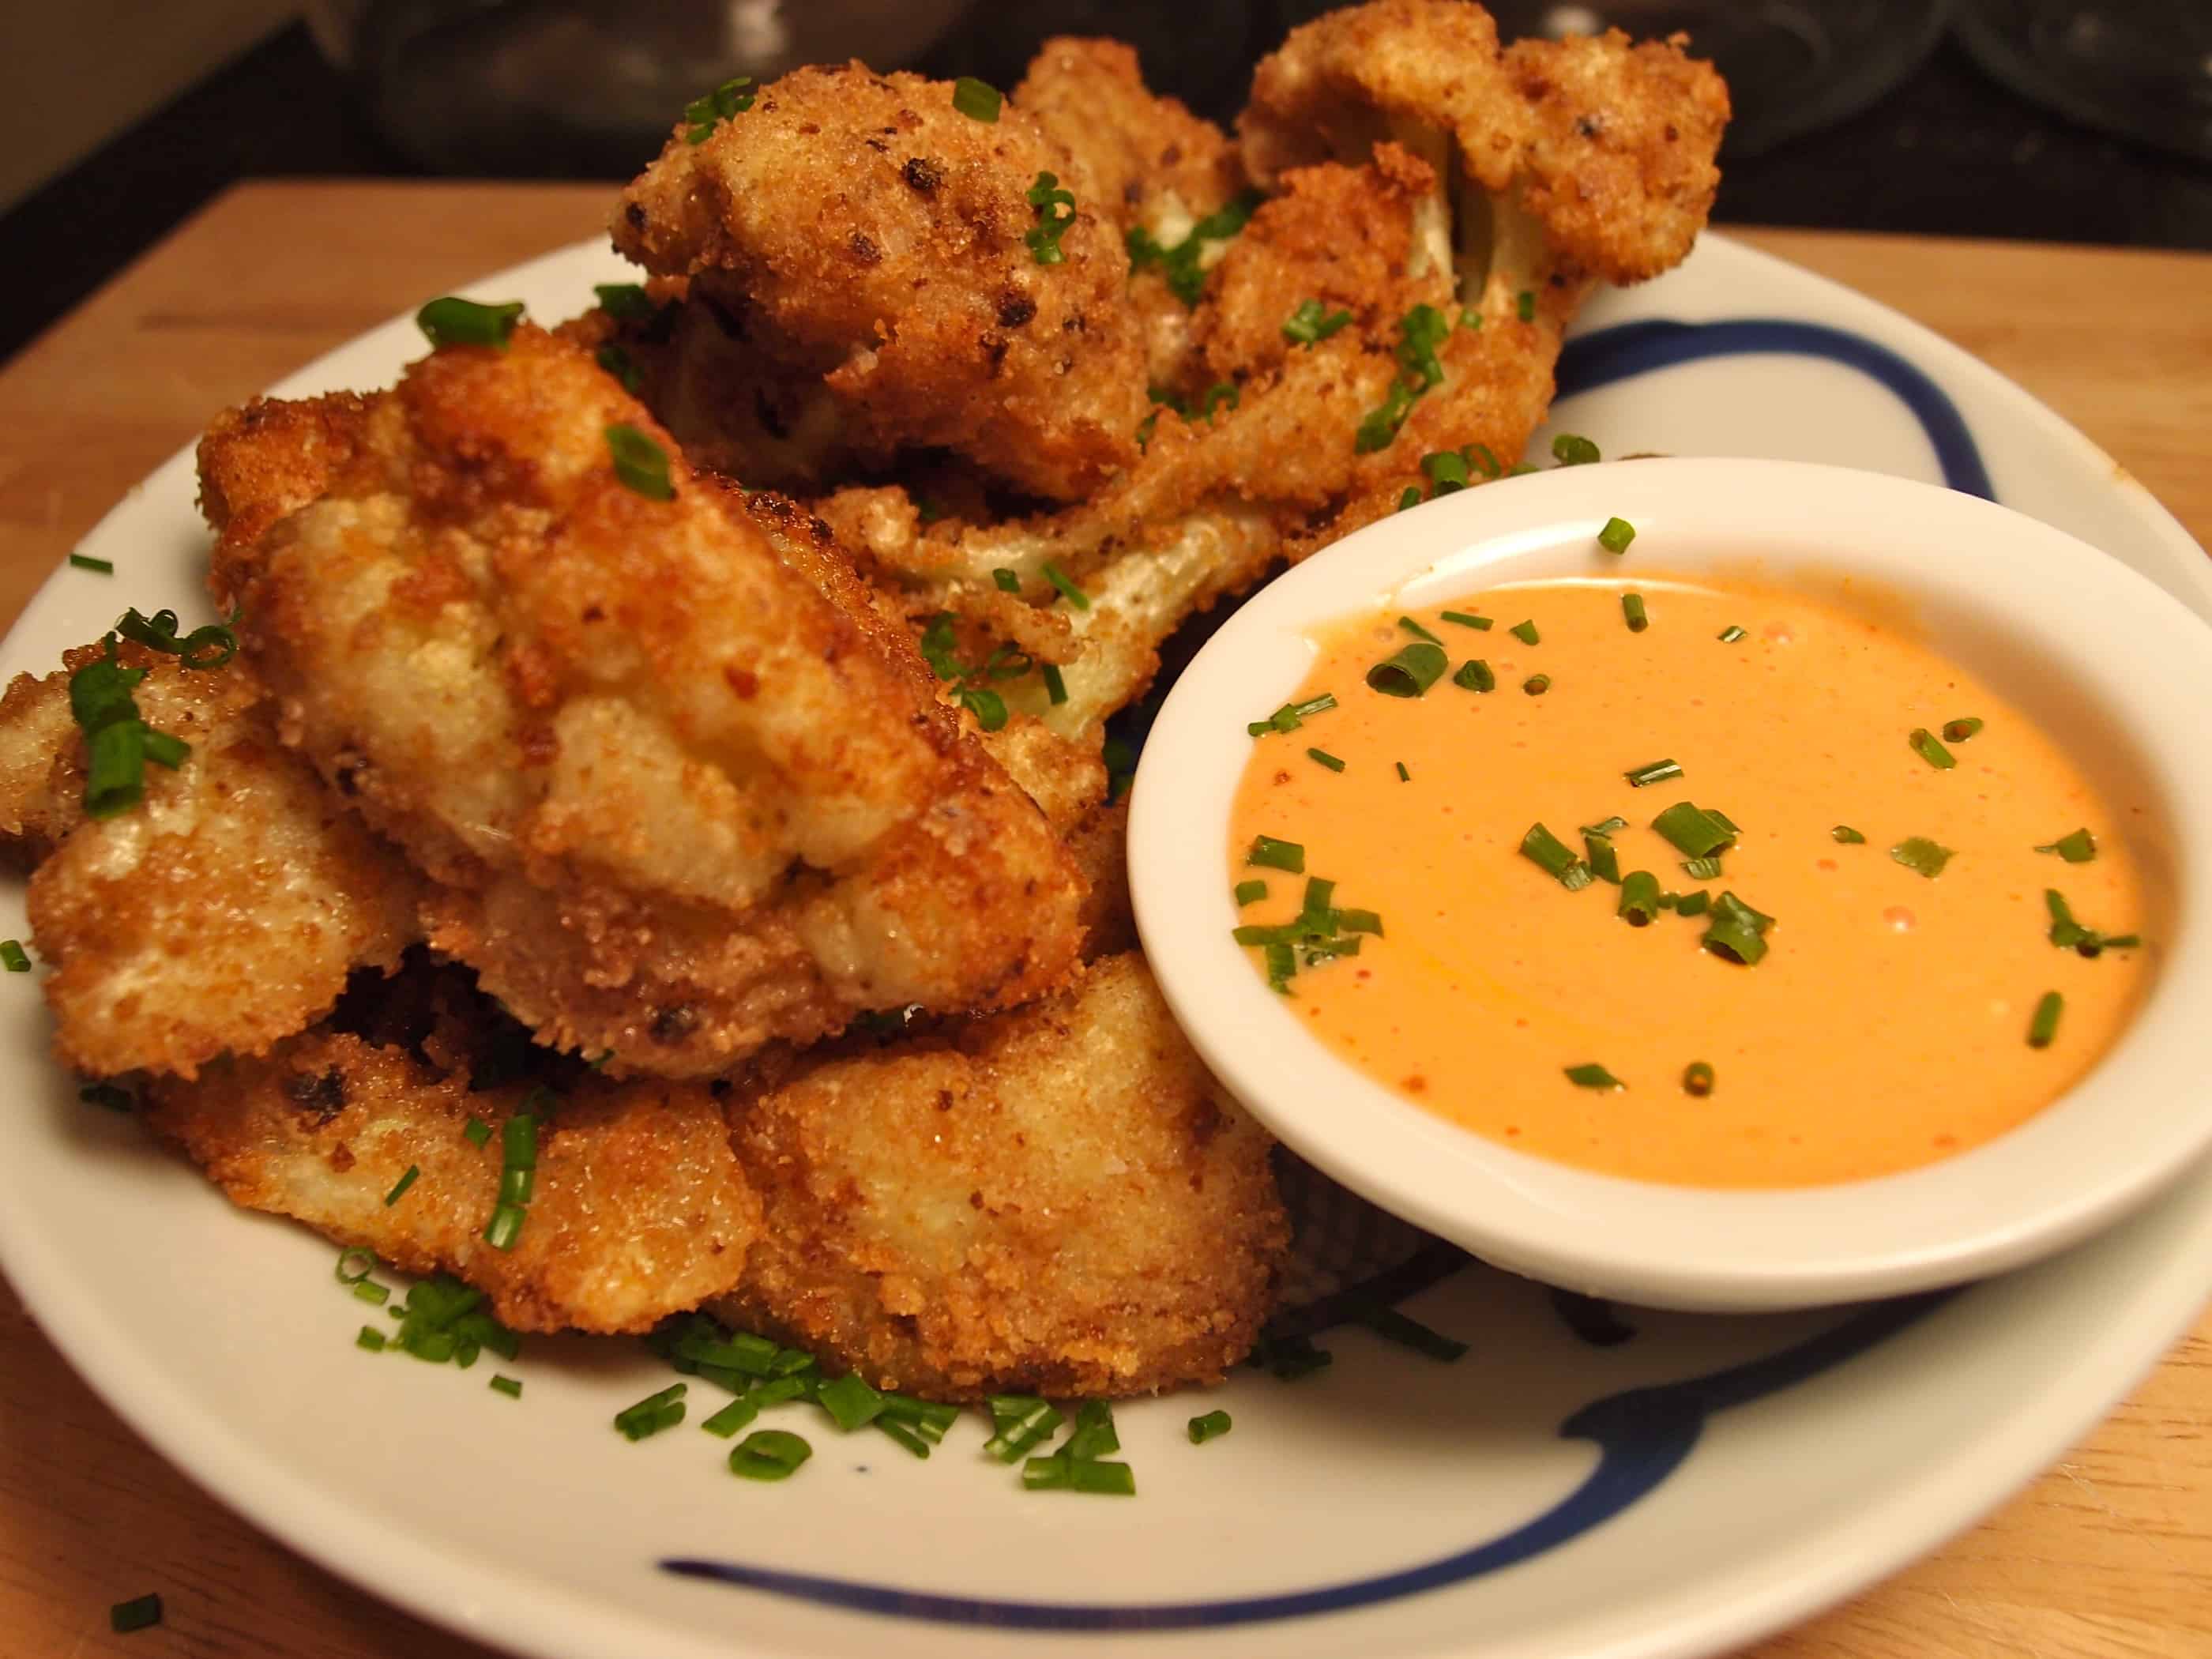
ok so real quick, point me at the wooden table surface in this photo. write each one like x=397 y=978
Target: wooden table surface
x=2108 y=1556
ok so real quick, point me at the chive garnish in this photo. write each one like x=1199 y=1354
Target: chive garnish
x=709 y=110
x=1550 y=854
x=1525 y=304
x=1847 y=835
x=1006 y=581
x=1525 y=632
x=1959 y=730
x=2078 y=848
x=851 y=1403
x=1923 y=743
x=1418 y=631
x=1281 y=962
x=626 y=303
x=769 y=1454
x=1059 y=1472
x=505 y=1227
x=2065 y=932
x=1593 y=1077
x=640 y=464
x=1731 y=635
x=208 y=647
x=1616 y=822
x=2045 y=1026
x=1480 y=624
x=1694 y=830
x=1212 y=1426
x=370 y=1291
x=1250 y=892
x=1631 y=607
x=978 y=101
x=1404 y=777
x=1094 y=1435
x=1055 y=687
x=399 y=1188
x=346 y=1271
x=371 y=1338
x=1019 y=1423
x=1312 y=323
x=1639 y=898
x=452 y=321
x=509 y=1386
x=1697 y=1078
x=1656 y=771
x=13 y=957
x=1691 y=904
x=1409 y=498
x=85 y=562
x=118 y=742
x=653 y=1414
x=1068 y=590
x=1475 y=675
x=1918 y=853
x=1536 y=684
x=1290 y=716
x=1323 y=757
x=1737 y=932
x=1604 y=862
x=1412 y=670
x=1420 y=332
x=1616 y=535
x=1407 y=1332
x=478 y=1131
x=1359 y=922
x=1270 y=853
x=1055 y=213
x=1707 y=868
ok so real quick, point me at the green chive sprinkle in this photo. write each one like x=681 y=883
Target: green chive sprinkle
x=1059 y=1472
x=1525 y=303
x=2079 y=848
x=1593 y=1077
x=118 y=741
x=640 y=464
x=1068 y=590
x=370 y=1291
x=1639 y=898
x=851 y=1403
x=1917 y=853
x=653 y=1414
x=1536 y=684
x=1482 y=624
x=1311 y=322
x=370 y=1338
x=1690 y=904
x=1737 y=932
x=1616 y=822
x=1055 y=687
x=726 y=1422
x=137 y=1614
x=1418 y=631
x=1404 y=777
x=711 y=109
x=1019 y=1423
x=1325 y=758
x=478 y=1131
x=978 y=101
x=85 y=562
x=1694 y=830
x=1525 y=632
x=1697 y=1079
x=1958 y=730
x=1007 y=581
x=1847 y=835
x=1604 y=861
x=626 y=303
x=1409 y=498
x=12 y=957
x=1055 y=213
x=1212 y=1426
x=1656 y=771
x=1272 y=854
x=1704 y=869
x=451 y=321
x=1731 y=635
x=1631 y=607
x=2045 y=1026
x=1475 y=675
x=346 y=1272
x=1550 y=854
x=769 y=1454
x=2066 y=932
x=1250 y=892
x=1412 y=670
x=1923 y=743
x=1616 y=535
x=509 y=1386
x=505 y=1227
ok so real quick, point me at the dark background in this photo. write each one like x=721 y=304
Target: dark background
x=1947 y=152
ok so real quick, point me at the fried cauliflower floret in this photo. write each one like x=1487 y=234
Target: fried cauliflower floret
x=1060 y=1202
x=639 y=1209
x=674 y=803
x=221 y=912
x=268 y=458
x=869 y=234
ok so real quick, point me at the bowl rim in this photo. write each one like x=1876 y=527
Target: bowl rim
x=2136 y=1121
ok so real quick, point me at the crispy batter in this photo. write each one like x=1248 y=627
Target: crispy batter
x=639 y=1210
x=1063 y=1203
x=675 y=804
x=225 y=911
x=1101 y=846
x=267 y=458
x=869 y=233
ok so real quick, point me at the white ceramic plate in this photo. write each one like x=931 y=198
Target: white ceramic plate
x=1543 y=1498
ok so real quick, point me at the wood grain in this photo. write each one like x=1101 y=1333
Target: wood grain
x=2108 y=1556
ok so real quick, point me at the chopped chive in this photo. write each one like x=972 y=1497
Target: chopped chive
x=1549 y=853
x=1959 y=730
x=1668 y=900
x=1691 y=904
x=2078 y=848
x=1731 y=635
x=1632 y=608
x=769 y=1454
x=1281 y=963
x=346 y=1273
x=1847 y=835
x=1272 y=854
x=1923 y=743
x=1418 y=631
x=451 y=321
x=1409 y=1332
x=1212 y=1426
x=1019 y=1423
x=1525 y=632
x=1593 y=1077
x=1404 y=777
x=1055 y=687
x=640 y=464
x=2045 y=1026
x=140 y=1613
x=1604 y=861
x=1616 y=822
x=1656 y=771
x=370 y=1291
x=653 y=1414
x=1737 y=932
x=1694 y=830
x=1482 y=625
x=978 y=101
x=399 y=1187
x=851 y=1403
x=1412 y=670
x=1446 y=471
x=1094 y=1435
x=1475 y=675
x=1525 y=304
x=478 y=1130
x=626 y=303
x=1359 y=921
x=1325 y=758
x=1639 y=898
x=509 y=1386
x=1409 y=498
x=2122 y=942
x=1697 y=1079
x=370 y=1338
x=1616 y=535
x=1006 y=581
x=1250 y=892
x=1068 y=590
x=904 y=1434
x=85 y=562
x=13 y=956
x=1918 y=853
x=1312 y=323
x=710 y=110
x=505 y=1227
x=1704 y=869
x=2066 y=932
x=1536 y=684
x=1060 y=1472
x=1569 y=450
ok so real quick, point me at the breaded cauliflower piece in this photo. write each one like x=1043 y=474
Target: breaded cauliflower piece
x=674 y=803
x=639 y=1209
x=1061 y=1201
x=224 y=911
x=268 y=457
x=864 y=231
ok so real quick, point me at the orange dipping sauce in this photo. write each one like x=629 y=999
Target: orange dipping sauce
x=1888 y=1024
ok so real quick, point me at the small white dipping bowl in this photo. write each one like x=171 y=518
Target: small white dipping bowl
x=2112 y=666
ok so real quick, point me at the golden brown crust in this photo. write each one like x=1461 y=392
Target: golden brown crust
x=264 y=459
x=639 y=1209
x=869 y=233
x=1063 y=1203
